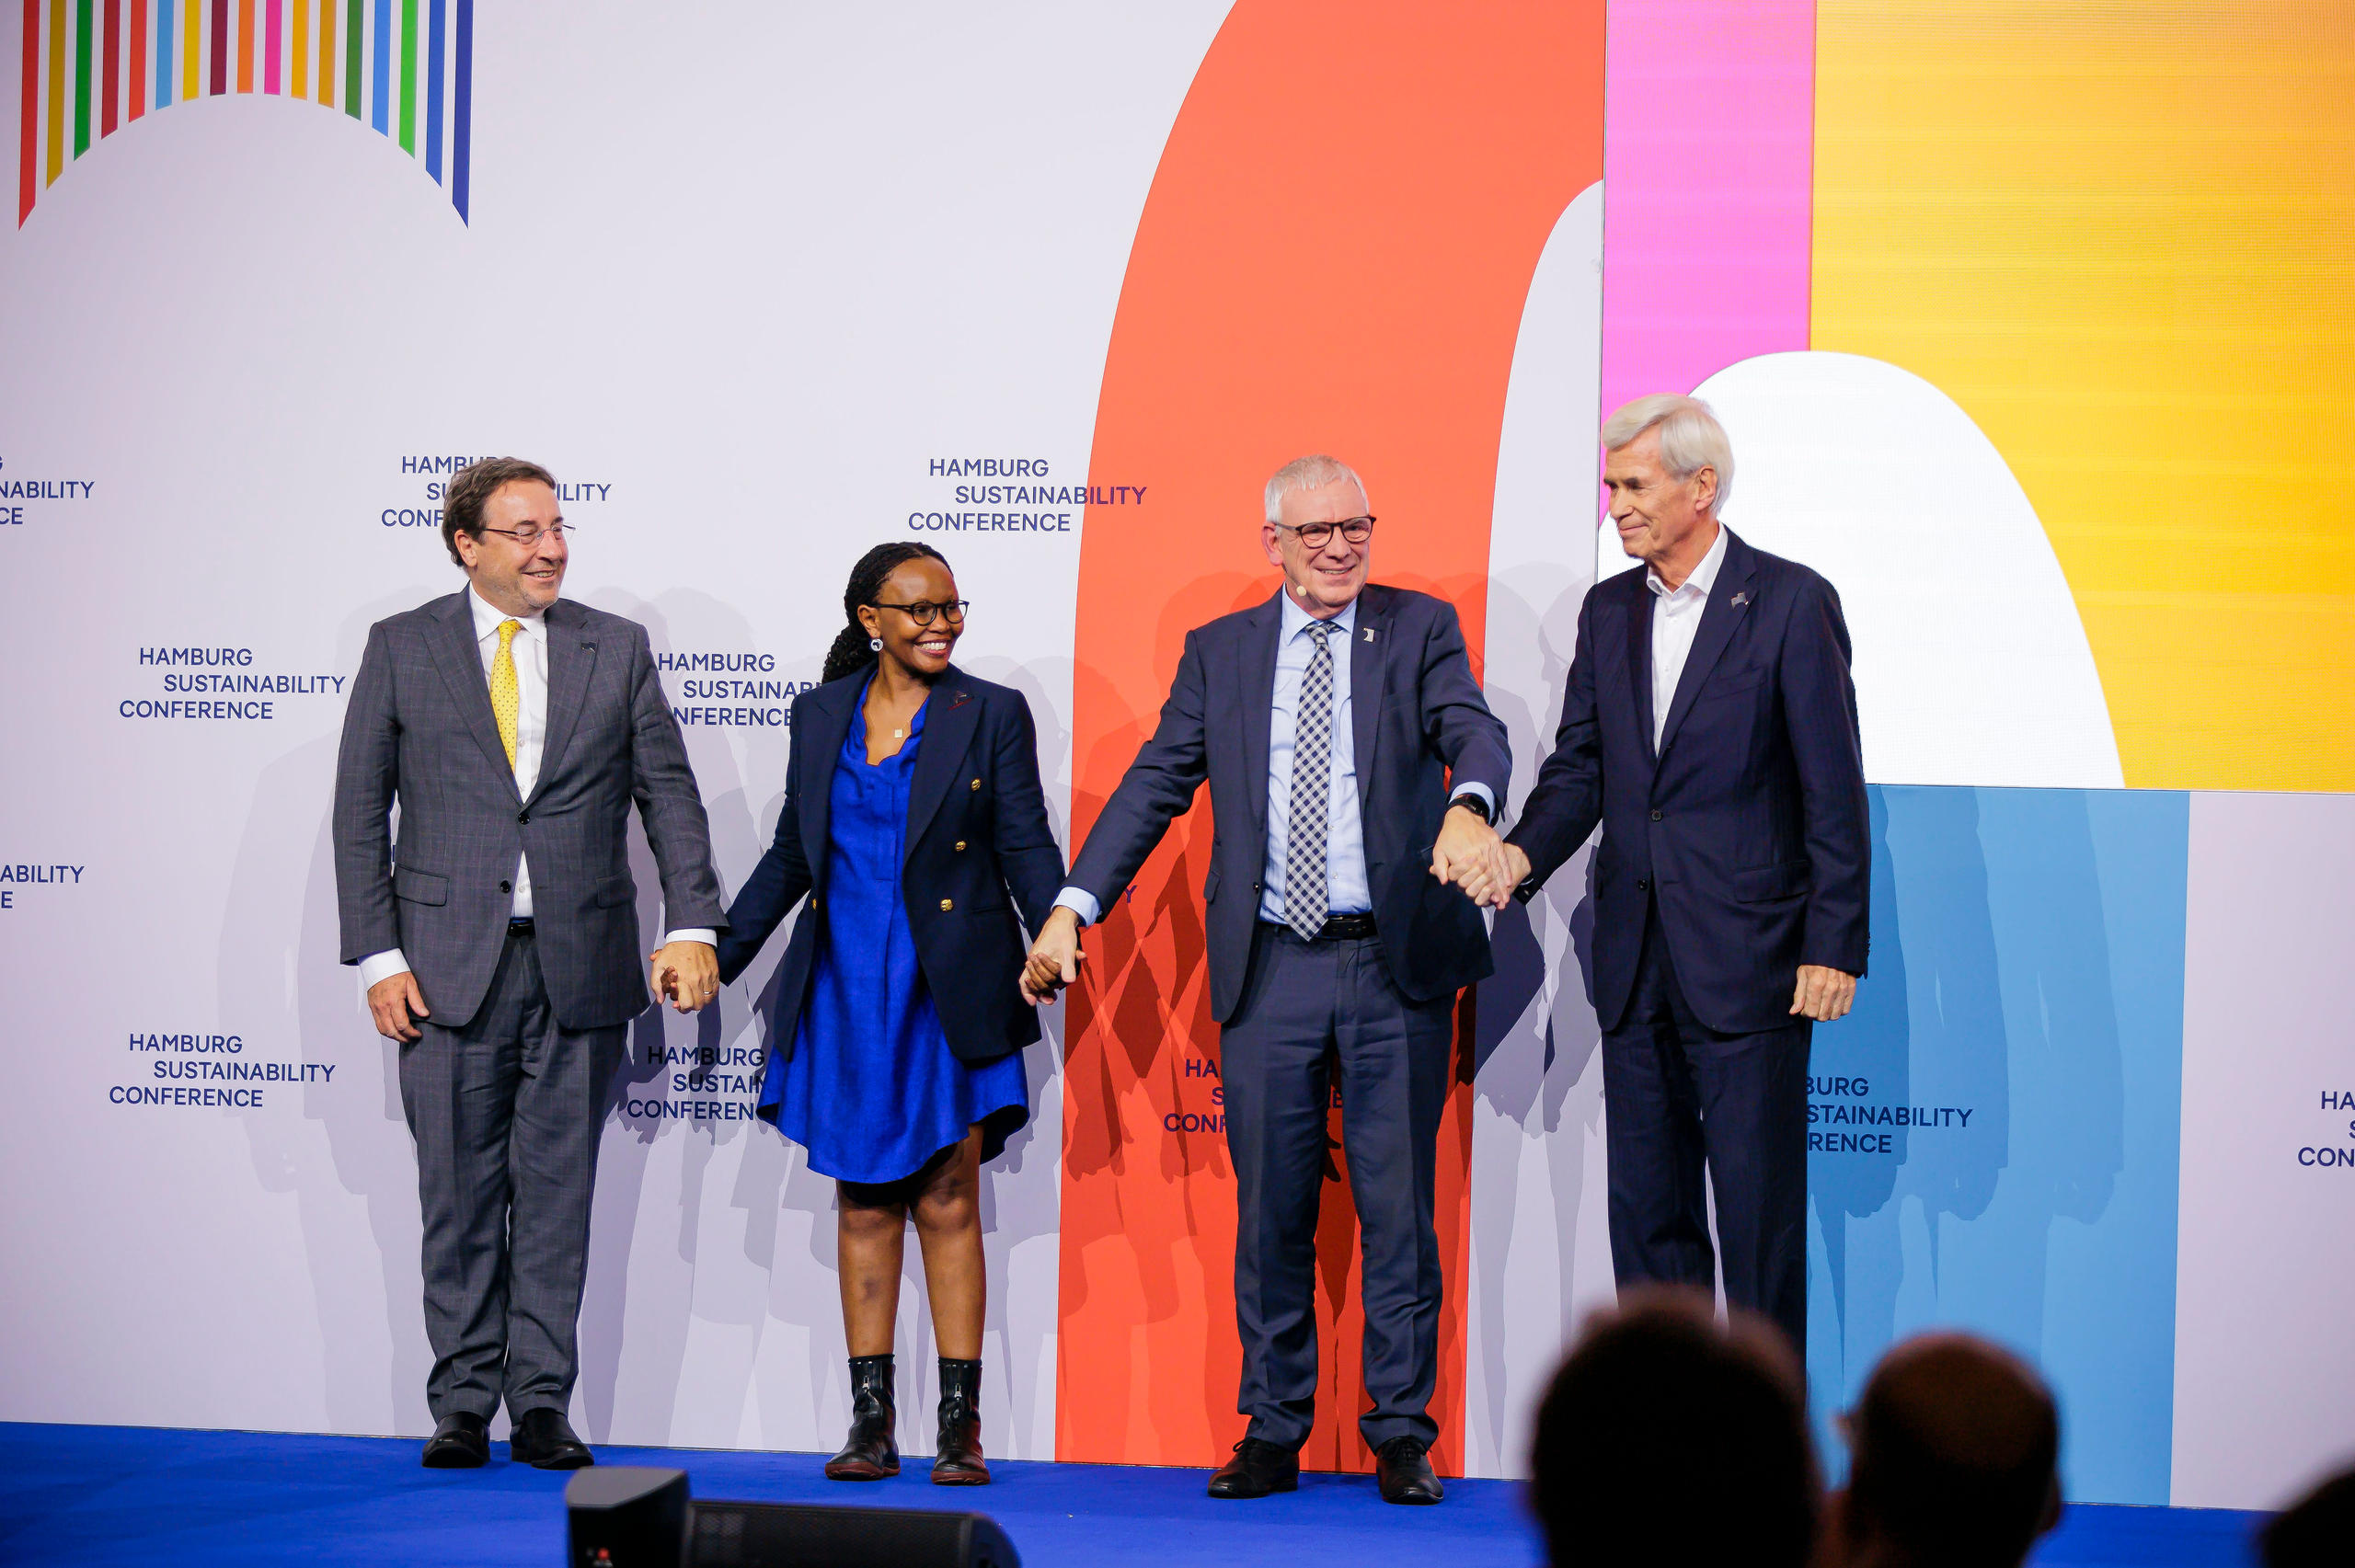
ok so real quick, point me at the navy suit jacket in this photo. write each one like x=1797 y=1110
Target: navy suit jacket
x=1749 y=826
x=1417 y=714
x=977 y=832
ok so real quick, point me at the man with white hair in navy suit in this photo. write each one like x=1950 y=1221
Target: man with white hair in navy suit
x=1709 y=725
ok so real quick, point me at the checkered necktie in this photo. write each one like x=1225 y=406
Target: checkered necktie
x=1312 y=771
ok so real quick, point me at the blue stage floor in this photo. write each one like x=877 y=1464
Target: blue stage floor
x=113 y=1495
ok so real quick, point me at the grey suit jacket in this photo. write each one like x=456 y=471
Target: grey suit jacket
x=419 y=729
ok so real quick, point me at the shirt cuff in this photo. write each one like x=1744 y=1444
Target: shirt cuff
x=378 y=968
x=1474 y=787
x=1081 y=902
x=693 y=933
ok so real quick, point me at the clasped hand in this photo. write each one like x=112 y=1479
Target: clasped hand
x=1470 y=854
x=685 y=974
x=1054 y=959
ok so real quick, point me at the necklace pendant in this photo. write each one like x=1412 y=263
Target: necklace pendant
x=899 y=735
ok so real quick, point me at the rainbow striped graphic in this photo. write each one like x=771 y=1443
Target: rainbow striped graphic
x=112 y=60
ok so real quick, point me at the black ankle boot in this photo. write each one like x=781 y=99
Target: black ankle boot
x=958 y=1461
x=869 y=1453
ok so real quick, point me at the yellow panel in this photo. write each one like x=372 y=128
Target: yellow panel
x=2122 y=237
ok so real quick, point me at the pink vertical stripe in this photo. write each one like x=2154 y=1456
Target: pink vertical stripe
x=272 y=50
x=28 y=114
x=1707 y=177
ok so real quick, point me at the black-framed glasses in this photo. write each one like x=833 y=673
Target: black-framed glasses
x=1317 y=535
x=923 y=610
x=531 y=534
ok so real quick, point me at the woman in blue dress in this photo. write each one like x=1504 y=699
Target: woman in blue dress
x=915 y=823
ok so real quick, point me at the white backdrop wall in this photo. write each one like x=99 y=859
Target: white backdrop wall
x=739 y=275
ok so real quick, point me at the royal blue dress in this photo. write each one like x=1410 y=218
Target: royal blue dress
x=872 y=1090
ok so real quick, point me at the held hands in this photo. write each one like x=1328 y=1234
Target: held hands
x=1054 y=958
x=685 y=974
x=391 y=1001
x=1824 y=994
x=1495 y=889
x=1470 y=854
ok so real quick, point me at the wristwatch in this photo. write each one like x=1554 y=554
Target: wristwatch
x=1471 y=802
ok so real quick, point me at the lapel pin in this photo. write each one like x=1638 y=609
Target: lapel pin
x=1739 y=600
x=1369 y=633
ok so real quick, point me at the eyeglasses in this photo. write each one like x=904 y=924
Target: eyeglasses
x=531 y=534
x=1317 y=535
x=923 y=610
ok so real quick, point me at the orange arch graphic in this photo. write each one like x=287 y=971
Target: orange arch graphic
x=1333 y=257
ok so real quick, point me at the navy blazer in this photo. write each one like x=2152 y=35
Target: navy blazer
x=977 y=831
x=1749 y=826
x=1417 y=713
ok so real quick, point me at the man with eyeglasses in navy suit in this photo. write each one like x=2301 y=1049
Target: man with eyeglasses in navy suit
x=1354 y=770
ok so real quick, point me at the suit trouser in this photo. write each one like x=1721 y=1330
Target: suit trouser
x=507 y=1113
x=1677 y=1096
x=1312 y=1011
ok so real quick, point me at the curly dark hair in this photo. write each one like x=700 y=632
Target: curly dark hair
x=471 y=489
x=851 y=652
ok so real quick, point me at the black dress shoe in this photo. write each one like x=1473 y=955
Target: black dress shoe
x=871 y=1452
x=1257 y=1468
x=544 y=1439
x=460 y=1441
x=1405 y=1474
x=958 y=1457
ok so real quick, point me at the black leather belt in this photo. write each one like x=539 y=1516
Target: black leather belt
x=1336 y=928
x=519 y=927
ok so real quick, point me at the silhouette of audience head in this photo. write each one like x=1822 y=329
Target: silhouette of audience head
x=1954 y=1461
x=1669 y=1439
x=2315 y=1531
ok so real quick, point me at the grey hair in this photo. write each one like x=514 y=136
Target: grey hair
x=1690 y=437
x=1311 y=473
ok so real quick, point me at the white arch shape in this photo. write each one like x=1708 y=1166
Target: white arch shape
x=1971 y=663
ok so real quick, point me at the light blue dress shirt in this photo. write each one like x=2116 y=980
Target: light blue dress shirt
x=1347 y=890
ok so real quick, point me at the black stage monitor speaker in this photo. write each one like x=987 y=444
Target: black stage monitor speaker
x=626 y=1518
x=785 y=1535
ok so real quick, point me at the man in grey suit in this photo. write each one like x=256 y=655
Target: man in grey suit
x=499 y=941
x=1355 y=770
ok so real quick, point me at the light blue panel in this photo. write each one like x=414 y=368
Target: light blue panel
x=2000 y=1115
x=2116 y=1362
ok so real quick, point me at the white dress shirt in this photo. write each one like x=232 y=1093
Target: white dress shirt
x=1348 y=889
x=1675 y=619
x=530 y=652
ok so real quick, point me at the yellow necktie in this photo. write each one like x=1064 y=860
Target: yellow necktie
x=505 y=703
